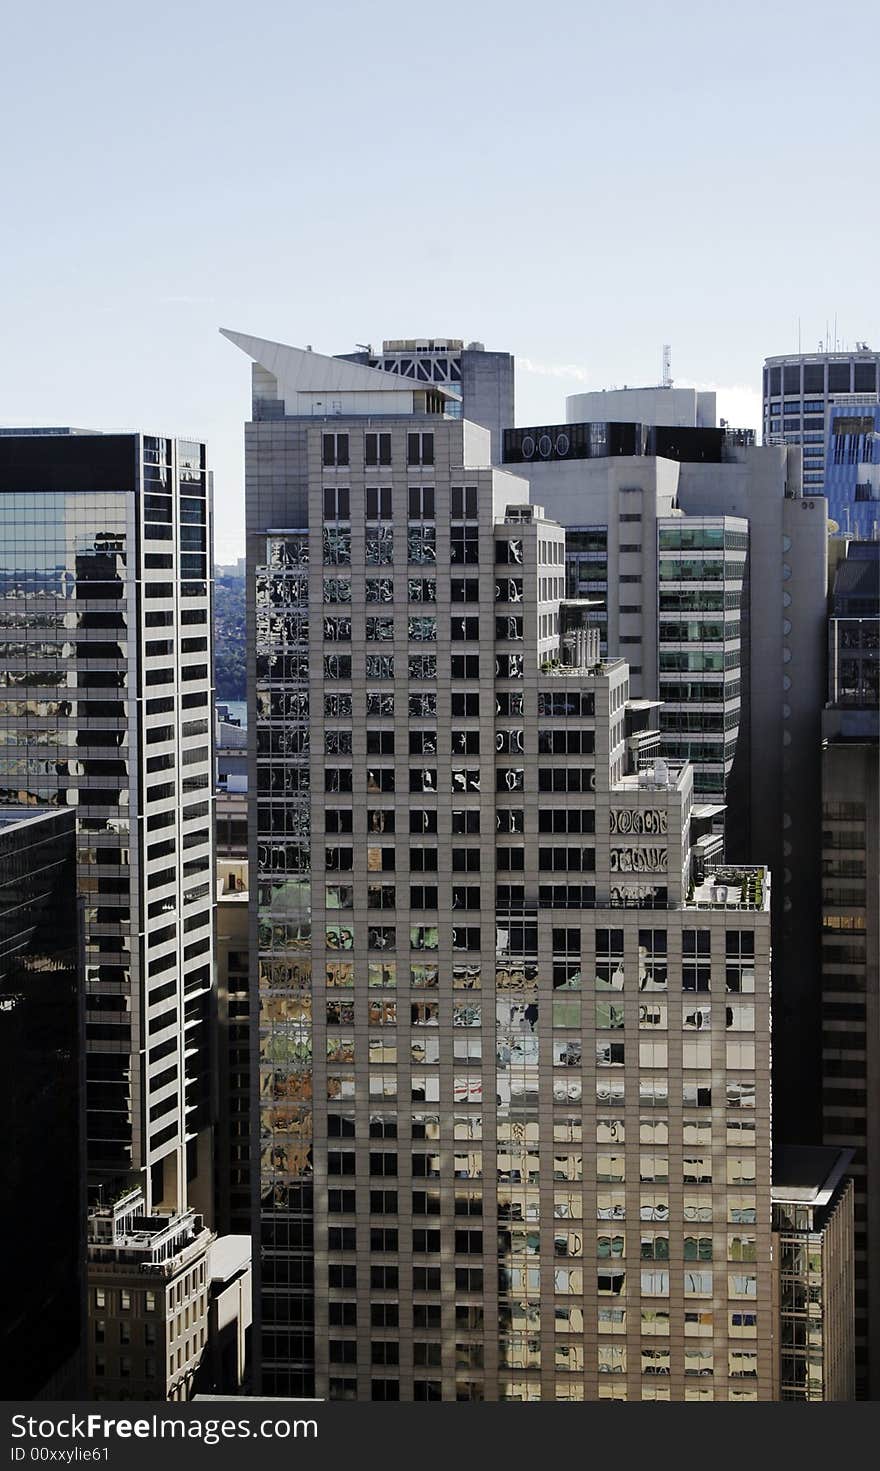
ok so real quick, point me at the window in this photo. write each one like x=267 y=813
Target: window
x=419 y=449
x=464 y=545
x=335 y=449
x=464 y=628
x=336 y=503
x=422 y=589
x=464 y=590
x=422 y=545
x=377 y=449
x=463 y=503
x=377 y=502
x=420 y=501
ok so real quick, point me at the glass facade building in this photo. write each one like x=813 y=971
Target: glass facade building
x=106 y=712
x=852 y=470
x=813 y=1227
x=700 y=573
x=799 y=390
x=41 y=1099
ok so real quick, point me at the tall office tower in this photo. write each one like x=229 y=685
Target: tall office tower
x=813 y=1260
x=852 y=472
x=105 y=606
x=511 y=1145
x=610 y=484
x=850 y=931
x=42 y=1196
x=798 y=392
x=480 y=383
x=700 y=572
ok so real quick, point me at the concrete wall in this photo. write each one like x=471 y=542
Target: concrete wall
x=681 y=407
x=787 y=611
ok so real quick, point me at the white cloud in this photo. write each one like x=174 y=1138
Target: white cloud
x=739 y=404
x=553 y=370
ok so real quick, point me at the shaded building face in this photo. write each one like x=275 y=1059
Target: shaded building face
x=41 y=1063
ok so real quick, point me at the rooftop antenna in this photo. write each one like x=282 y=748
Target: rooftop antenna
x=667 y=365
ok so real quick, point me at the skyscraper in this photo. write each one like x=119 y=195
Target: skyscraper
x=850 y=937
x=511 y=1060
x=42 y=1317
x=799 y=390
x=743 y=682
x=105 y=607
x=852 y=472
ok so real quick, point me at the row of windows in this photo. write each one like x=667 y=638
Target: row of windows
x=335 y=449
x=340 y=779
x=418 y=629
x=424 y=666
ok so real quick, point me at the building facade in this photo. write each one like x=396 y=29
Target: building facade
x=232 y=1177
x=850 y=936
x=852 y=470
x=658 y=404
x=107 y=711
x=480 y=383
x=148 y=1300
x=602 y=1229
x=42 y=1321
x=813 y=1230
x=799 y=390
x=614 y=486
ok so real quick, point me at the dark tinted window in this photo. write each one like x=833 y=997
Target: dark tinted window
x=775 y=382
x=864 y=377
x=814 y=377
x=838 y=377
x=792 y=378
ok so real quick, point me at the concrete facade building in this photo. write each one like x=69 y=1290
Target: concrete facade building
x=148 y=1300
x=481 y=383
x=42 y=1066
x=511 y=1147
x=105 y=610
x=813 y=1230
x=658 y=404
x=799 y=390
x=225 y=1364
x=614 y=498
x=850 y=933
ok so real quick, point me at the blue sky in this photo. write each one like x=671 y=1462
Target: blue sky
x=574 y=183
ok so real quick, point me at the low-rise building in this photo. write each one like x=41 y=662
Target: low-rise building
x=148 y=1289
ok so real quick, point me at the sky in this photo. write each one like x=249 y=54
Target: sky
x=574 y=183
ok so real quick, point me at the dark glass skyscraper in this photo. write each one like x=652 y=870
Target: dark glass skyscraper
x=41 y=1096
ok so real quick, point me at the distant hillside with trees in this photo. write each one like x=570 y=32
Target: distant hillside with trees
x=229 y=638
